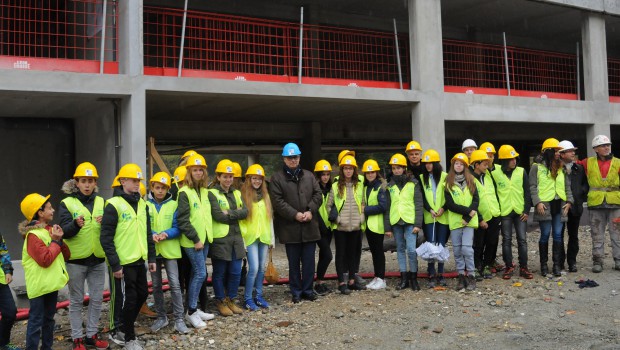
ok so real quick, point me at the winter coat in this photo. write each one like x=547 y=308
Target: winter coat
x=535 y=199
x=349 y=217
x=579 y=187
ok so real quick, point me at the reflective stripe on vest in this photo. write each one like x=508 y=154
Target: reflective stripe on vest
x=547 y=186
x=402 y=204
x=510 y=191
x=488 y=205
x=130 y=236
x=220 y=229
x=43 y=280
x=339 y=201
x=258 y=226
x=464 y=198
x=374 y=222
x=161 y=221
x=87 y=241
x=199 y=216
x=436 y=203
x=603 y=189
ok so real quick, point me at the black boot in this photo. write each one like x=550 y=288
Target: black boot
x=441 y=280
x=471 y=283
x=462 y=282
x=413 y=281
x=404 y=282
x=556 y=256
x=543 y=251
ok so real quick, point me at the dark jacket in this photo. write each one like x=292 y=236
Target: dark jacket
x=383 y=206
x=222 y=248
x=579 y=186
x=291 y=193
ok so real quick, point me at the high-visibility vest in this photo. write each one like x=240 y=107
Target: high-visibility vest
x=547 y=186
x=438 y=202
x=374 y=222
x=488 y=205
x=323 y=211
x=43 y=280
x=161 y=221
x=402 y=204
x=199 y=216
x=220 y=229
x=607 y=189
x=258 y=226
x=464 y=198
x=339 y=201
x=87 y=241
x=510 y=191
x=130 y=237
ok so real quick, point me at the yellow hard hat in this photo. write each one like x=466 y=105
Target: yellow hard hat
x=348 y=160
x=162 y=177
x=130 y=171
x=487 y=147
x=345 y=152
x=225 y=166
x=115 y=183
x=413 y=146
x=507 y=152
x=398 y=159
x=255 y=169
x=196 y=160
x=237 y=171
x=462 y=157
x=322 y=165
x=478 y=156
x=189 y=153
x=142 y=189
x=370 y=165
x=86 y=169
x=179 y=174
x=31 y=204
x=550 y=143
x=430 y=156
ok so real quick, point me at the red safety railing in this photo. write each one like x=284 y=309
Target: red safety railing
x=481 y=68
x=234 y=47
x=58 y=35
x=613 y=71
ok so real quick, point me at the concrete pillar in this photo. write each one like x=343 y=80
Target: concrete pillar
x=428 y=127
x=130 y=37
x=425 y=38
x=133 y=129
x=595 y=78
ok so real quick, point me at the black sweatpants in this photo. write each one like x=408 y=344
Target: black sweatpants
x=135 y=289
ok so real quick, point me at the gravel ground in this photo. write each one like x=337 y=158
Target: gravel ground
x=542 y=313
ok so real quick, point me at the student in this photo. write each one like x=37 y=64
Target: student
x=227 y=248
x=406 y=215
x=377 y=220
x=462 y=205
x=257 y=234
x=127 y=242
x=436 y=227
x=80 y=218
x=323 y=172
x=165 y=231
x=490 y=150
x=414 y=156
x=194 y=220
x=8 y=310
x=513 y=192
x=43 y=258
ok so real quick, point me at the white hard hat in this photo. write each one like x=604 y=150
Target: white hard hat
x=468 y=143
x=566 y=146
x=600 y=140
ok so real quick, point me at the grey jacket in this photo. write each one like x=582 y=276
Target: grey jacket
x=349 y=216
x=222 y=248
x=536 y=199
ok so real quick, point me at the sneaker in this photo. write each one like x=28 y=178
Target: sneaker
x=260 y=302
x=432 y=282
x=159 y=323
x=78 y=344
x=180 y=326
x=10 y=346
x=442 y=280
x=496 y=267
x=96 y=342
x=356 y=286
x=486 y=272
x=343 y=289
x=380 y=284
x=117 y=337
x=250 y=305
x=310 y=297
x=371 y=284
x=232 y=305
x=359 y=280
x=321 y=289
x=525 y=273
x=508 y=271
x=597 y=268
x=223 y=309
x=195 y=320
x=205 y=316
x=133 y=345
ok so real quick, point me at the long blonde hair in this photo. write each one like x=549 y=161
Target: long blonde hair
x=248 y=192
x=189 y=182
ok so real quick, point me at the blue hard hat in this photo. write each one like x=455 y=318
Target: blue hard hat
x=290 y=149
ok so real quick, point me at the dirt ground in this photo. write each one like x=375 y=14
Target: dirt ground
x=542 y=313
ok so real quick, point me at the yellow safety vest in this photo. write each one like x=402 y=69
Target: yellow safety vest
x=87 y=241
x=323 y=211
x=402 y=204
x=339 y=201
x=436 y=203
x=161 y=221
x=2 y=277
x=43 y=280
x=607 y=189
x=258 y=227
x=220 y=229
x=464 y=198
x=199 y=216
x=488 y=205
x=374 y=222
x=510 y=191
x=130 y=237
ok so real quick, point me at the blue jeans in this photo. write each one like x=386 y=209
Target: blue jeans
x=231 y=272
x=463 y=248
x=301 y=278
x=197 y=259
x=508 y=222
x=257 y=258
x=172 y=272
x=405 y=247
x=41 y=322
x=9 y=313
x=554 y=225
x=440 y=235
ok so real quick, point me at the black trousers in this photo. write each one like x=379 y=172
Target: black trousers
x=347 y=246
x=485 y=243
x=572 y=226
x=9 y=313
x=375 y=243
x=325 y=254
x=130 y=292
x=300 y=267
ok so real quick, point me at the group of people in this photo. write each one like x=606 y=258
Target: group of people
x=185 y=219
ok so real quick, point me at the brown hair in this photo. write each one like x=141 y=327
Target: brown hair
x=552 y=164
x=248 y=192
x=189 y=182
x=469 y=179
x=342 y=181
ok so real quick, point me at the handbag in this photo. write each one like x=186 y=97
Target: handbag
x=271 y=273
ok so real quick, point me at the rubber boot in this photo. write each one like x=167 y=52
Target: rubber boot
x=461 y=284
x=404 y=281
x=556 y=256
x=413 y=281
x=543 y=251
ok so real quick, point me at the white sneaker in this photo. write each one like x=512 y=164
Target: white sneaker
x=205 y=316
x=195 y=320
x=372 y=283
x=133 y=345
x=380 y=284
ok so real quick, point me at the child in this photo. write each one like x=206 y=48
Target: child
x=228 y=248
x=257 y=231
x=406 y=220
x=462 y=204
x=80 y=218
x=163 y=213
x=127 y=242
x=376 y=221
x=44 y=268
x=7 y=304
x=322 y=172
